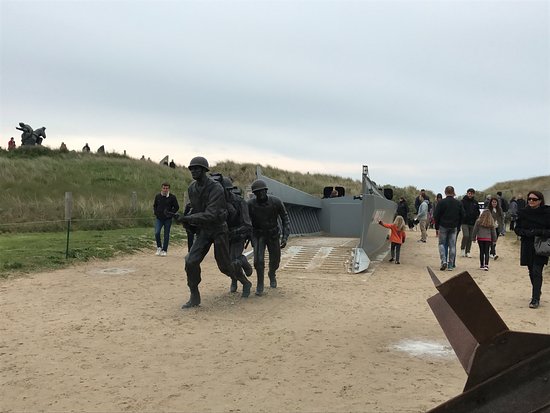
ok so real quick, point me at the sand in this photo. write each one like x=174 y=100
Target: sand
x=110 y=336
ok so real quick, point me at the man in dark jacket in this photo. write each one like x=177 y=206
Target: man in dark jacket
x=471 y=214
x=164 y=203
x=403 y=209
x=448 y=217
x=265 y=210
x=208 y=215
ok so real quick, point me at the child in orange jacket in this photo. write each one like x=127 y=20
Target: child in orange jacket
x=397 y=236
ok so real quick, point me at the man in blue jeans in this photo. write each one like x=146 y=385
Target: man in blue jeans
x=164 y=203
x=448 y=217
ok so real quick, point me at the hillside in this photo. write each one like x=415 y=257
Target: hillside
x=34 y=180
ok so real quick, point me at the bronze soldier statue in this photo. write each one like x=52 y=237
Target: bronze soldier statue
x=240 y=228
x=265 y=210
x=208 y=215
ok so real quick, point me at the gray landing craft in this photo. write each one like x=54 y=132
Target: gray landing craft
x=340 y=215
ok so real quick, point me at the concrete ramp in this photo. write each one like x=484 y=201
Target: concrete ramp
x=318 y=254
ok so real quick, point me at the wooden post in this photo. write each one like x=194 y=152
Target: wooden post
x=68 y=215
x=134 y=201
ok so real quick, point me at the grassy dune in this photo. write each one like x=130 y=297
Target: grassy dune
x=33 y=182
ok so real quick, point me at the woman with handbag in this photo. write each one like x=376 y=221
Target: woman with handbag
x=533 y=222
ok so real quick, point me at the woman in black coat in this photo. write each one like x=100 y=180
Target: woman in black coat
x=403 y=209
x=533 y=220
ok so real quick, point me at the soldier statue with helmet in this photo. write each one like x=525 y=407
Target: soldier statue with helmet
x=265 y=211
x=208 y=215
x=240 y=228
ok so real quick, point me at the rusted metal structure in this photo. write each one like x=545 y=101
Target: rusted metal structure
x=343 y=216
x=508 y=371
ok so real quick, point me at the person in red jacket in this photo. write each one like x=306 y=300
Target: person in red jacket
x=11 y=144
x=397 y=236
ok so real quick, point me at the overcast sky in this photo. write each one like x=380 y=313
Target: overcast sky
x=426 y=93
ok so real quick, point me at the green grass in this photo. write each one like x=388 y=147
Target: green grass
x=107 y=218
x=28 y=252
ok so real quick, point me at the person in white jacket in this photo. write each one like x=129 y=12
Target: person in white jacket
x=422 y=218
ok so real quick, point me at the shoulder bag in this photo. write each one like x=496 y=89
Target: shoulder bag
x=542 y=246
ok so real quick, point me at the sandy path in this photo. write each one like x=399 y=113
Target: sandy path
x=109 y=336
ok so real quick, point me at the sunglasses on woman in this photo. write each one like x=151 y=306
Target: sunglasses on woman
x=533 y=199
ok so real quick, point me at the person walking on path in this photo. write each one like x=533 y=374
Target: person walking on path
x=422 y=218
x=533 y=220
x=471 y=214
x=208 y=215
x=498 y=217
x=403 y=209
x=397 y=237
x=165 y=206
x=504 y=206
x=448 y=218
x=265 y=210
x=485 y=233
x=418 y=201
x=513 y=211
x=520 y=201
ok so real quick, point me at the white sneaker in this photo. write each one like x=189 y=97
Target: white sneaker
x=163 y=253
x=158 y=251
x=468 y=255
x=462 y=253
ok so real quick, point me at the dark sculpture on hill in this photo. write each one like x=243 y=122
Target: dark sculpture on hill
x=31 y=137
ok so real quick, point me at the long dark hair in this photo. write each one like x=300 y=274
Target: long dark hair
x=490 y=206
x=539 y=195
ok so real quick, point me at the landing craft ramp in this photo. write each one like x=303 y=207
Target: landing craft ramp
x=354 y=217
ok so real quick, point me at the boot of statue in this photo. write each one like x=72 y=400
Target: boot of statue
x=247 y=268
x=272 y=279
x=194 y=300
x=260 y=283
x=233 y=287
x=247 y=285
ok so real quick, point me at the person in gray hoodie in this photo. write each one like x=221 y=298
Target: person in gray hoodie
x=422 y=217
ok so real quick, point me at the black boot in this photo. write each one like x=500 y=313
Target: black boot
x=260 y=284
x=272 y=279
x=247 y=268
x=233 y=287
x=194 y=300
x=247 y=285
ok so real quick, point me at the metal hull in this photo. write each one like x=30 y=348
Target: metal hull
x=347 y=216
